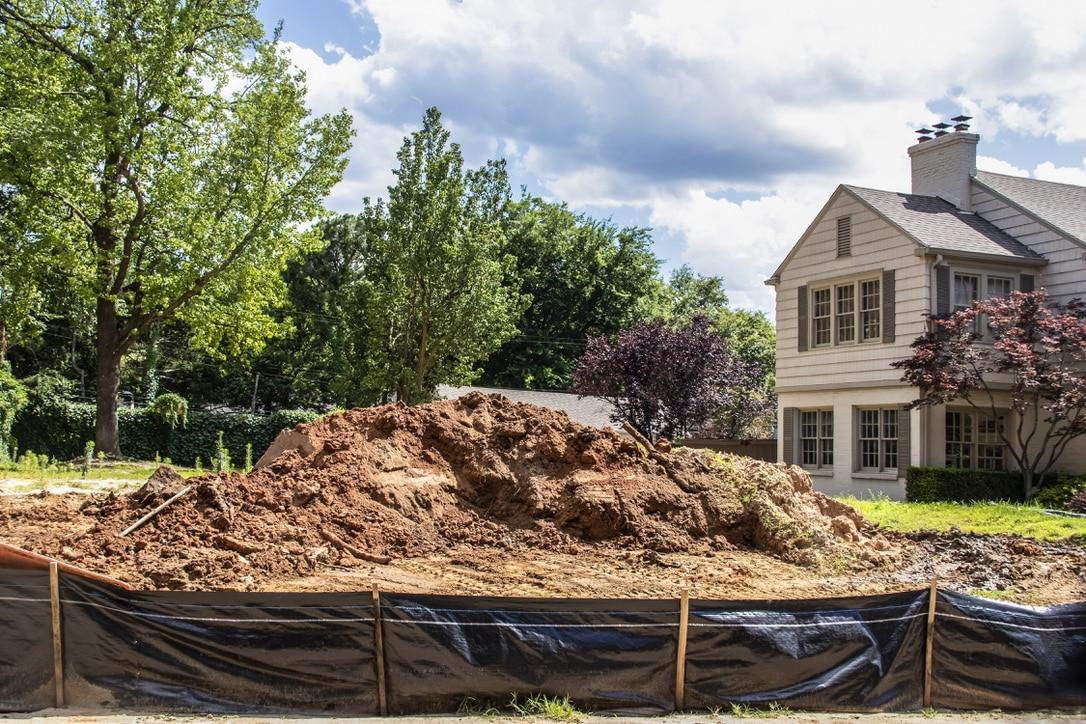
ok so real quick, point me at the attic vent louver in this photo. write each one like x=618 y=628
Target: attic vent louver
x=844 y=236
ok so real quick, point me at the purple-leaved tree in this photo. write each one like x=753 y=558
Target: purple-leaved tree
x=1021 y=352
x=663 y=380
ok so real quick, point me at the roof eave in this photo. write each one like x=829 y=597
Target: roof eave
x=981 y=256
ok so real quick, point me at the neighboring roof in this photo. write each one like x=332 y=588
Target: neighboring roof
x=594 y=411
x=1060 y=206
x=940 y=226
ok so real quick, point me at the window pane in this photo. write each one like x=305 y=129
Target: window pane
x=808 y=424
x=889 y=454
x=823 y=306
x=869 y=453
x=889 y=424
x=827 y=453
x=965 y=290
x=846 y=313
x=822 y=331
x=809 y=452
x=870 y=303
x=827 y=423
x=999 y=287
x=869 y=294
x=822 y=303
x=869 y=424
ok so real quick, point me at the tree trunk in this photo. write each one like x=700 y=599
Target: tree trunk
x=106 y=438
x=1027 y=484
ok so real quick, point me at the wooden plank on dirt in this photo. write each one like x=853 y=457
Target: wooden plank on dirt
x=932 y=595
x=379 y=651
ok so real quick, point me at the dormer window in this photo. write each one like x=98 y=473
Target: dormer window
x=844 y=236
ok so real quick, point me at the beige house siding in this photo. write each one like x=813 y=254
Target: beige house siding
x=876 y=246
x=1065 y=274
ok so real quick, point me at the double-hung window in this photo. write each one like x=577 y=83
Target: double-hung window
x=973 y=441
x=816 y=438
x=846 y=312
x=972 y=286
x=878 y=439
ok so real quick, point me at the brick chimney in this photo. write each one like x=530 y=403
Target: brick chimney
x=943 y=166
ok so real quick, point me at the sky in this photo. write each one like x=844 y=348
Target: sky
x=723 y=126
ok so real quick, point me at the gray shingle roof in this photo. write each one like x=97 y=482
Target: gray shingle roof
x=1062 y=206
x=939 y=225
x=593 y=411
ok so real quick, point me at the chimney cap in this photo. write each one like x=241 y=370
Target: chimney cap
x=961 y=119
x=924 y=131
x=941 y=125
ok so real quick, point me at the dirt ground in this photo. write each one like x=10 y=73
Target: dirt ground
x=485 y=496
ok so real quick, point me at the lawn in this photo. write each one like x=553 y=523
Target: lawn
x=109 y=475
x=971 y=517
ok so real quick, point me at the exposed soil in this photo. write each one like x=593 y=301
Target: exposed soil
x=483 y=495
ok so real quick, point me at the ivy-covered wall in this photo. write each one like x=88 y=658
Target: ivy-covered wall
x=62 y=430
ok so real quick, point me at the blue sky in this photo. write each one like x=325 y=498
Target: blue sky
x=724 y=126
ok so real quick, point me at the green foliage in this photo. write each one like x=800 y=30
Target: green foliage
x=585 y=277
x=199 y=466
x=161 y=156
x=442 y=294
x=248 y=457
x=12 y=399
x=930 y=485
x=170 y=409
x=61 y=431
x=546 y=707
x=1057 y=495
x=771 y=711
x=88 y=456
x=222 y=455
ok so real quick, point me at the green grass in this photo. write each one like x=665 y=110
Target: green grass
x=19 y=478
x=772 y=711
x=989 y=518
x=555 y=708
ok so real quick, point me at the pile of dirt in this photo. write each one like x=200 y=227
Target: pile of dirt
x=367 y=485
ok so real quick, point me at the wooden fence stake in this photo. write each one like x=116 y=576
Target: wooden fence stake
x=379 y=646
x=930 y=639
x=680 y=661
x=58 y=654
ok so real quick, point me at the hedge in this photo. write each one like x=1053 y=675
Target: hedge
x=933 y=485
x=62 y=430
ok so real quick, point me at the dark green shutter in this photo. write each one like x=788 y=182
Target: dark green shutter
x=889 y=313
x=801 y=318
x=942 y=289
x=904 y=439
x=1026 y=283
x=788 y=436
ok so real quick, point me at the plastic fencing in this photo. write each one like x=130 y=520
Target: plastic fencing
x=339 y=653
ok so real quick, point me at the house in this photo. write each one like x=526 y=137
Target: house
x=594 y=411
x=854 y=292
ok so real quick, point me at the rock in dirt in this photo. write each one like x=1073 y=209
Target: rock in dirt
x=396 y=481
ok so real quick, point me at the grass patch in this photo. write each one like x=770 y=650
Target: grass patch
x=547 y=707
x=470 y=706
x=21 y=478
x=982 y=517
x=772 y=711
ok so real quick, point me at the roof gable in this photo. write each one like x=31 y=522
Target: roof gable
x=1061 y=207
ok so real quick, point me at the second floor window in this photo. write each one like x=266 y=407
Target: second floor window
x=847 y=313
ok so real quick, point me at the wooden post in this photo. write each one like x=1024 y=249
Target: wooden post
x=379 y=651
x=680 y=659
x=932 y=595
x=58 y=653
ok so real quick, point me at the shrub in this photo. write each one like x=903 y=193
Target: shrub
x=1057 y=495
x=1077 y=503
x=61 y=429
x=12 y=399
x=933 y=485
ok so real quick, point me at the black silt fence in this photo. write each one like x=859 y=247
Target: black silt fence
x=229 y=652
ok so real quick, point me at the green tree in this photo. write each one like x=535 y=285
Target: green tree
x=442 y=293
x=586 y=278
x=161 y=154
x=685 y=295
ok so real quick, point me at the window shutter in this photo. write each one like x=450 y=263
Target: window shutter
x=904 y=440
x=844 y=236
x=801 y=318
x=1026 y=283
x=942 y=289
x=889 y=313
x=788 y=436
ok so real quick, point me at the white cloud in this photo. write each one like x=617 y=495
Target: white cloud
x=1062 y=174
x=996 y=165
x=665 y=105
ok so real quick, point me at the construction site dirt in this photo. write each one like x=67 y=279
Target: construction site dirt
x=482 y=495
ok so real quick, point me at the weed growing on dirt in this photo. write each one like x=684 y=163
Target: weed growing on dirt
x=555 y=708
x=929 y=712
x=772 y=711
x=470 y=706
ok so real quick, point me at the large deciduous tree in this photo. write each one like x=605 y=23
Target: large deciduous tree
x=442 y=293
x=1022 y=351
x=586 y=277
x=160 y=154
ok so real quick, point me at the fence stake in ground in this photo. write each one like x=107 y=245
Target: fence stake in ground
x=58 y=653
x=932 y=595
x=680 y=659
x=379 y=651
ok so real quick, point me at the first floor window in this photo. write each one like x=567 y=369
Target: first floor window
x=816 y=438
x=973 y=441
x=878 y=439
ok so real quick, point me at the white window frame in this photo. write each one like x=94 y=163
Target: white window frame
x=885 y=445
x=823 y=438
x=856 y=282
x=983 y=277
x=972 y=440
